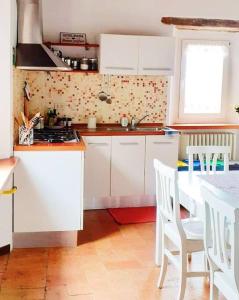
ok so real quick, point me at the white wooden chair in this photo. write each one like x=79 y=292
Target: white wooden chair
x=222 y=243
x=186 y=235
x=206 y=154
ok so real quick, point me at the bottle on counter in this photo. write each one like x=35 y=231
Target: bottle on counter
x=124 y=121
x=52 y=117
x=69 y=122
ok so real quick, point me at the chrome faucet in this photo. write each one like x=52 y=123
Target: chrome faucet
x=134 y=122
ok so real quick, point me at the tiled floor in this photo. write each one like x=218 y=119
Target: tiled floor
x=111 y=262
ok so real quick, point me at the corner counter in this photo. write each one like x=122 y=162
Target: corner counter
x=7 y=167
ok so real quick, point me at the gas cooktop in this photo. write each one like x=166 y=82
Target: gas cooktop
x=55 y=135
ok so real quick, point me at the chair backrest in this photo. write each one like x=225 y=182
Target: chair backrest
x=167 y=195
x=221 y=232
x=209 y=155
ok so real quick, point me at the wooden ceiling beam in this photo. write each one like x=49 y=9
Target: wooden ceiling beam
x=200 y=23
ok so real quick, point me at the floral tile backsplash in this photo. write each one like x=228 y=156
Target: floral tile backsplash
x=76 y=95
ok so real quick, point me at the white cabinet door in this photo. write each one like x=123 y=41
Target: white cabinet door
x=118 y=54
x=156 y=55
x=127 y=169
x=163 y=148
x=97 y=171
x=6 y=216
x=50 y=191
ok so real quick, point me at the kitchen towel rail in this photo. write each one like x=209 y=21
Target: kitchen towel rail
x=208 y=139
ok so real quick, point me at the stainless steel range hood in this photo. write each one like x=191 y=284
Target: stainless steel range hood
x=31 y=53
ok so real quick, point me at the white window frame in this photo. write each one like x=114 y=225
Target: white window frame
x=174 y=115
x=202 y=117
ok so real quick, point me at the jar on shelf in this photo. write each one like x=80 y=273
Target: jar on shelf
x=84 y=63
x=93 y=64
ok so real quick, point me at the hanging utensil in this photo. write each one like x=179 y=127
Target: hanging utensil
x=102 y=94
x=27 y=97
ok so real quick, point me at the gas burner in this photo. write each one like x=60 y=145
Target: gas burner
x=55 y=135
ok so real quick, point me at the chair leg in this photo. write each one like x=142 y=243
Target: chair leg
x=213 y=288
x=189 y=257
x=183 y=275
x=163 y=271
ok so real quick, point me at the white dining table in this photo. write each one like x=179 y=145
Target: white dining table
x=189 y=184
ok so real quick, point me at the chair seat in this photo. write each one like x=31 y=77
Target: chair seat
x=193 y=228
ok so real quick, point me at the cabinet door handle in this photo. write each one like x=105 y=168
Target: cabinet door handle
x=129 y=143
x=120 y=68
x=157 y=69
x=98 y=144
x=162 y=143
x=9 y=192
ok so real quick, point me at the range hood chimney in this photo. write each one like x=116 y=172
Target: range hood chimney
x=32 y=54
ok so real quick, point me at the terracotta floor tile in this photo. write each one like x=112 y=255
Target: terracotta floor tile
x=111 y=262
x=123 y=264
x=23 y=294
x=3 y=262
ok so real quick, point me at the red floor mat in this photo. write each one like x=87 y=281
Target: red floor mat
x=133 y=215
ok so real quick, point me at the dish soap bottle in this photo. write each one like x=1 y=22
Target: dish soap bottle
x=124 y=121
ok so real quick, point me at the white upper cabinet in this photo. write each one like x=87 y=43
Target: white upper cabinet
x=118 y=54
x=127 y=165
x=136 y=55
x=156 y=55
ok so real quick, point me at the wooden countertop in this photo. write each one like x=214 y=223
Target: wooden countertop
x=6 y=168
x=102 y=130
x=204 y=126
x=80 y=146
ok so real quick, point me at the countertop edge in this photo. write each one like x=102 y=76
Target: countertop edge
x=80 y=146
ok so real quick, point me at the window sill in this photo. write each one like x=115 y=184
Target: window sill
x=204 y=126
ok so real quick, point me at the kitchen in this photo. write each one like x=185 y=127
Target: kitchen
x=111 y=167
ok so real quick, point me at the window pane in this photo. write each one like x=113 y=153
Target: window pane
x=203 y=78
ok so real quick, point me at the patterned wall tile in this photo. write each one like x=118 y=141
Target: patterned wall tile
x=76 y=95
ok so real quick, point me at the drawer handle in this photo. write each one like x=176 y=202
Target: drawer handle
x=162 y=143
x=98 y=144
x=156 y=69
x=9 y=192
x=119 y=68
x=129 y=143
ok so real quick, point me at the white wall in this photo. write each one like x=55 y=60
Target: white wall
x=126 y=16
x=7 y=41
x=140 y=17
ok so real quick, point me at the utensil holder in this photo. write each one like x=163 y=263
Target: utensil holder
x=25 y=136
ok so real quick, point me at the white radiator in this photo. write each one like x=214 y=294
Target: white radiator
x=207 y=139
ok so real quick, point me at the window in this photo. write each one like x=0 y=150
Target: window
x=203 y=80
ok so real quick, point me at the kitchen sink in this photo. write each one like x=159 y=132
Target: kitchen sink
x=148 y=128
x=117 y=129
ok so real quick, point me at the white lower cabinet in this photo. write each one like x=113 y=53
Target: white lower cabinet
x=97 y=172
x=164 y=148
x=127 y=165
x=50 y=191
x=6 y=216
x=119 y=170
